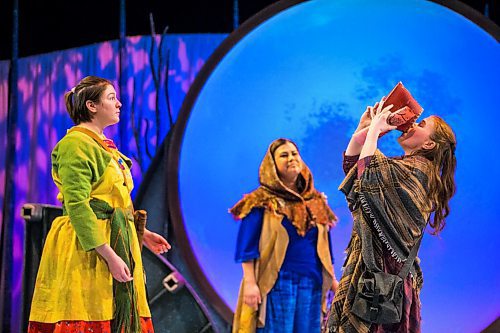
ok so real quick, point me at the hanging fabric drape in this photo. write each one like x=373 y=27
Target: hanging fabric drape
x=42 y=119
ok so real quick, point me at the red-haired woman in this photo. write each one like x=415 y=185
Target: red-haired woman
x=392 y=200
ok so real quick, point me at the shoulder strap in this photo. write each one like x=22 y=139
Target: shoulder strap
x=411 y=257
x=368 y=253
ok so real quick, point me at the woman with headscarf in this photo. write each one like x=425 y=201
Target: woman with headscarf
x=284 y=247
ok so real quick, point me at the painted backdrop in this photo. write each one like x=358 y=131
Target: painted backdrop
x=307 y=74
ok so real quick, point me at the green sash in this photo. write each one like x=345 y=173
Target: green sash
x=126 y=315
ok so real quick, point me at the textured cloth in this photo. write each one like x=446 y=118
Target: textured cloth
x=293 y=305
x=394 y=191
x=73 y=281
x=83 y=326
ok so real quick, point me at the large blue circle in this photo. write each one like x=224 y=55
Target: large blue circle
x=307 y=74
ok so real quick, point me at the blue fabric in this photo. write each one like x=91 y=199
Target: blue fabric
x=293 y=305
x=247 y=242
x=301 y=255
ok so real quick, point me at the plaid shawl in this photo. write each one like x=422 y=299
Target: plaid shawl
x=303 y=209
x=389 y=201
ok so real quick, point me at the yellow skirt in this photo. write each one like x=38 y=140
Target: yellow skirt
x=73 y=284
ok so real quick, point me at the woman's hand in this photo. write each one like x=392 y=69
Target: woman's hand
x=251 y=295
x=117 y=267
x=251 y=291
x=379 y=117
x=366 y=119
x=358 y=138
x=367 y=116
x=378 y=125
x=379 y=121
x=155 y=242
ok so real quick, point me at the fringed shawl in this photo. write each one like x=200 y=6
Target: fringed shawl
x=303 y=209
x=390 y=201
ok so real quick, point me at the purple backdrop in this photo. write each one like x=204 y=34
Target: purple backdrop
x=43 y=120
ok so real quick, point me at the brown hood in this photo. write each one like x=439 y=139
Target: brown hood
x=303 y=209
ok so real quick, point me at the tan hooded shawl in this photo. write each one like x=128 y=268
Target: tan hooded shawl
x=395 y=190
x=303 y=209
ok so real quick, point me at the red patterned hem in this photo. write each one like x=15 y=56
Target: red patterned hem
x=75 y=326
